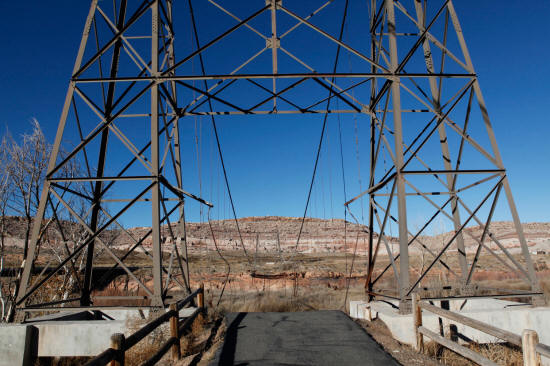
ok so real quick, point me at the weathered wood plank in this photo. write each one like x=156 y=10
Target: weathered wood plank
x=476 y=324
x=543 y=349
x=461 y=350
x=103 y=358
x=417 y=321
x=184 y=327
x=530 y=340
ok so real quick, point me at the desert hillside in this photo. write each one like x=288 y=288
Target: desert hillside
x=334 y=236
x=276 y=233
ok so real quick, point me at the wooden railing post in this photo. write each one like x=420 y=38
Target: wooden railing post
x=529 y=341
x=200 y=297
x=174 y=332
x=417 y=322
x=117 y=343
x=369 y=312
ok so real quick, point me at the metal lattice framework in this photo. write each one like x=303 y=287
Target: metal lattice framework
x=129 y=88
x=144 y=120
x=422 y=44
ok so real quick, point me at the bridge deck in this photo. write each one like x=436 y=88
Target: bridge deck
x=300 y=338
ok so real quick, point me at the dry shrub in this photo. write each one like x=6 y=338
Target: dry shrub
x=116 y=288
x=217 y=342
x=195 y=341
x=141 y=352
x=545 y=285
x=512 y=283
x=541 y=265
x=269 y=302
x=213 y=314
x=198 y=325
x=186 y=345
x=482 y=275
x=149 y=345
x=316 y=296
x=188 y=341
x=501 y=353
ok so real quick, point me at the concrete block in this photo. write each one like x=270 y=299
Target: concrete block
x=357 y=309
x=59 y=338
x=18 y=345
x=125 y=314
x=507 y=315
x=65 y=315
x=134 y=314
x=77 y=338
x=186 y=312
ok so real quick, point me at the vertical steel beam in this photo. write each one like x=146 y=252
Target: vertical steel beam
x=372 y=152
x=505 y=184
x=400 y=182
x=274 y=45
x=177 y=151
x=461 y=252
x=28 y=262
x=155 y=190
x=97 y=194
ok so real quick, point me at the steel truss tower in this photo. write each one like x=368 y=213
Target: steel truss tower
x=129 y=88
x=124 y=137
x=447 y=158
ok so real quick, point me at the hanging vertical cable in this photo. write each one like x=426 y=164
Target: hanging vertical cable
x=216 y=132
x=323 y=128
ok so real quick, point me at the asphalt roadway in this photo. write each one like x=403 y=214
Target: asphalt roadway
x=300 y=338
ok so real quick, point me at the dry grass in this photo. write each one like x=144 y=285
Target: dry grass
x=323 y=287
x=141 y=352
x=190 y=343
x=502 y=354
x=317 y=297
x=115 y=288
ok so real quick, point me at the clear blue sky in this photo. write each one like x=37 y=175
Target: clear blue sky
x=270 y=160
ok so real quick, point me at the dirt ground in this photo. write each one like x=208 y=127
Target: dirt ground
x=322 y=284
x=403 y=353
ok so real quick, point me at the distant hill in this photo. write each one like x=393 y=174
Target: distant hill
x=318 y=235
x=333 y=236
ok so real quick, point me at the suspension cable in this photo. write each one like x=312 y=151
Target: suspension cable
x=221 y=256
x=329 y=159
x=348 y=279
x=216 y=132
x=198 y=147
x=324 y=126
x=344 y=187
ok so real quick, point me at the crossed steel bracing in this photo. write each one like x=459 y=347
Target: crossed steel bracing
x=413 y=80
x=409 y=36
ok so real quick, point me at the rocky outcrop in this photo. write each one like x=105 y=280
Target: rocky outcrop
x=272 y=234
x=275 y=233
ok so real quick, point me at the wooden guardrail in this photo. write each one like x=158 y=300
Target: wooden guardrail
x=528 y=341
x=115 y=355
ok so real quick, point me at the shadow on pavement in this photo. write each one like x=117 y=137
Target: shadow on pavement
x=227 y=356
